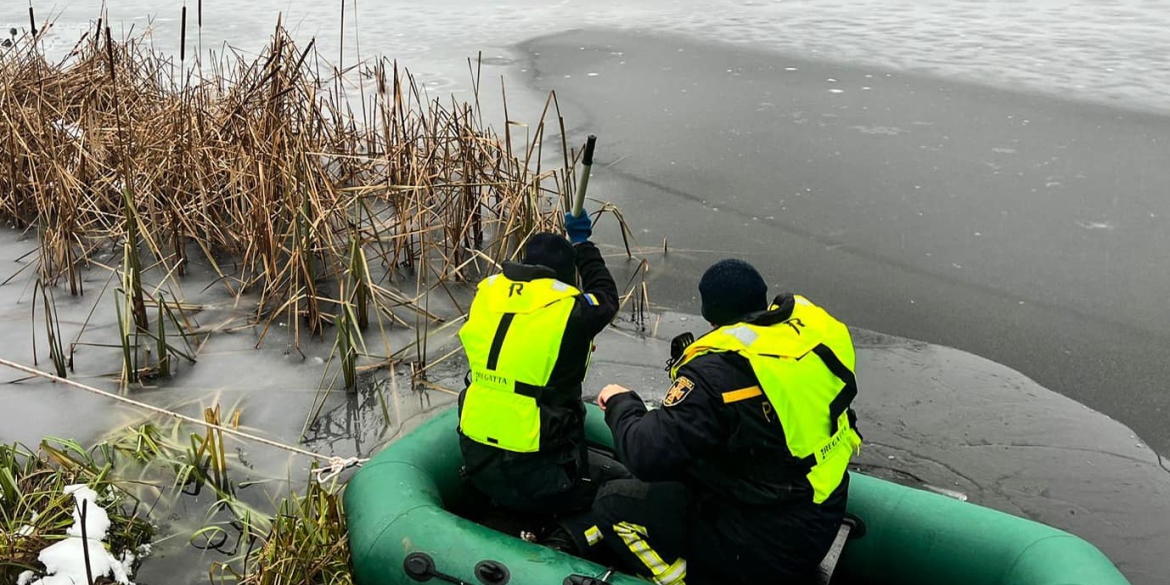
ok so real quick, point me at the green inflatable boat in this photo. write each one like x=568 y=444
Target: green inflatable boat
x=401 y=530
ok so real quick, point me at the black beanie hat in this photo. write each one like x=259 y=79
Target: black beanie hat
x=553 y=251
x=731 y=289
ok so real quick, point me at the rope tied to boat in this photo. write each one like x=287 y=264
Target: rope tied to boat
x=335 y=465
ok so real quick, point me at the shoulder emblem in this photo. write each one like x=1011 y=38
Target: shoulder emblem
x=678 y=392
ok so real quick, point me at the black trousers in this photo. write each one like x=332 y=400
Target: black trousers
x=660 y=531
x=638 y=527
x=529 y=500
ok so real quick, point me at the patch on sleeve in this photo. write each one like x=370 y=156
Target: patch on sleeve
x=592 y=300
x=679 y=391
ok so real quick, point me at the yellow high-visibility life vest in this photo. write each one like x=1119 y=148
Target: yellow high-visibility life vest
x=512 y=339
x=805 y=367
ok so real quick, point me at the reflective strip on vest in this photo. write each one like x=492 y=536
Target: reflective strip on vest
x=805 y=366
x=512 y=338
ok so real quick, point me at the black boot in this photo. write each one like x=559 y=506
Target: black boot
x=559 y=539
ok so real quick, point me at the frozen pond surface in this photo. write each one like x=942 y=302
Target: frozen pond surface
x=1111 y=50
x=1024 y=229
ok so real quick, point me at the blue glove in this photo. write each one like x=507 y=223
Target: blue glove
x=578 y=228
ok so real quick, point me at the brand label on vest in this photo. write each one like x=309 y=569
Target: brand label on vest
x=678 y=391
x=828 y=447
x=490 y=380
x=835 y=441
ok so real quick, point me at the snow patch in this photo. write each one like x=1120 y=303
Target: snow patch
x=70 y=129
x=65 y=560
x=97 y=522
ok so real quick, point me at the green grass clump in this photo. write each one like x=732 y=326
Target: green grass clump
x=35 y=511
x=306 y=542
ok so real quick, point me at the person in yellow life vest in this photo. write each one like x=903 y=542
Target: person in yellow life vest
x=741 y=474
x=528 y=339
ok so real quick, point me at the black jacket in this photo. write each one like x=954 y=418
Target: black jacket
x=550 y=481
x=752 y=504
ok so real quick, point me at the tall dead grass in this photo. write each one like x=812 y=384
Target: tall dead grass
x=331 y=208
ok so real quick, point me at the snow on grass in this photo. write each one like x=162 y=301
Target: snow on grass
x=65 y=560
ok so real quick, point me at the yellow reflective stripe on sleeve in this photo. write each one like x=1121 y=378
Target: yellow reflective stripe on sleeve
x=632 y=535
x=593 y=535
x=676 y=574
x=663 y=574
x=741 y=394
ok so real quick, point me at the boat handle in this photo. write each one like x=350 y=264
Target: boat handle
x=421 y=567
x=492 y=573
x=586 y=580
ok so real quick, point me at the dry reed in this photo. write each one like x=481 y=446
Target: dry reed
x=326 y=208
x=267 y=171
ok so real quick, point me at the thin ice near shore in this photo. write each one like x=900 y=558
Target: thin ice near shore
x=65 y=562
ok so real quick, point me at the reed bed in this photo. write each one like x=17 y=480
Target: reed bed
x=332 y=204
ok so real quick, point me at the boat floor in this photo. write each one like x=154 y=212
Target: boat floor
x=480 y=510
x=477 y=507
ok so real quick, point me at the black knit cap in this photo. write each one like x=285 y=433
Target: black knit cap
x=730 y=290
x=553 y=251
